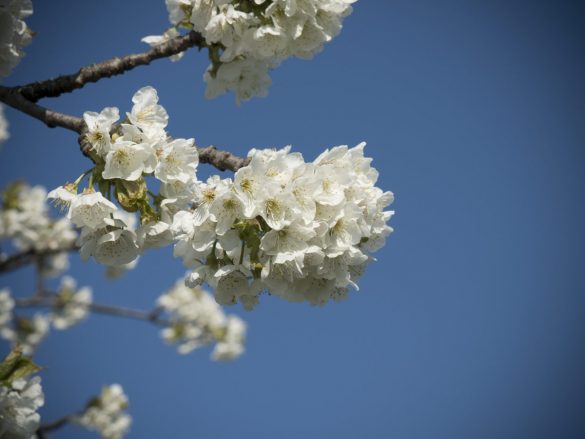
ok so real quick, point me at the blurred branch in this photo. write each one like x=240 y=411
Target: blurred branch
x=27 y=257
x=52 y=300
x=50 y=426
x=106 y=69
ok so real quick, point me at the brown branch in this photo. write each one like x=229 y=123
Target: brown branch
x=18 y=260
x=12 y=97
x=222 y=160
x=23 y=98
x=106 y=69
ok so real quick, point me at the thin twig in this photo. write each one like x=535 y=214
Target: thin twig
x=114 y=66
x=52 y=300
x=54 y=425
x=27 y=257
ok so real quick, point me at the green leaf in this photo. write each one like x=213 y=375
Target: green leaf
x=16 y=366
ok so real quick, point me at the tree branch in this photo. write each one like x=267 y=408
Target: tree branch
x=51 y=301
x=23 y=98
x=106 y=69
x=12 y=97
x=27 y=257
x=54 y=425
x=222 y=160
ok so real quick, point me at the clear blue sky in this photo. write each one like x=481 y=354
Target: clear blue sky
x=471 y=323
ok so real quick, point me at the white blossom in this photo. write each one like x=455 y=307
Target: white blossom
x=177 y=161
x=27 y=332
x=146 y=114
x=19 y=403
x=302 y=231
x=107 y=414
x=125 y=160
x=14 y=33
x=254 y=40
x=90 y=209
x=25 y=221
x=6 y=307
x=196 y=320
x=72 y=305
x=99 y=126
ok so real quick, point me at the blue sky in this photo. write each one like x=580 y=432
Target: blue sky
x=469 y=325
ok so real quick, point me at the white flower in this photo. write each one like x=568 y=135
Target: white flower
x=107 y=414
x=298 y=230
x=29 y=333
x=6 y=307
x=247 y=78
x=225 y=209
x=72 y=305
x=154 y=234
x=90 y=209
x=232 y=343
x=111 y=246
x=196 y=320
x=125 y=160
x=14 y=33
x=177 y=10
x=99 y=126
x=146 y=113
x=19 y=402
x=177 y=161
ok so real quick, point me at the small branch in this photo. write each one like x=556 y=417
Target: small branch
x=18 y=260
x=40 y=277
x=115 y=66
x=222 y=160
x=55 y=425
x=51 y=300
x=12 y=97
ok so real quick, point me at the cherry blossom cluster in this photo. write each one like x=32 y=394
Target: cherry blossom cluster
x=14 y=33
x=196 y=320
x=4 y=134
x=26 y=223
x=107 y=414
x=248 y=38
x=20 y=400
x=70 y=306
x=125 y=154
x=302 y=231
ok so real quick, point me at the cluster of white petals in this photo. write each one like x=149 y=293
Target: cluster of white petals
x=126 y=154
x=248 y=38
x=25 y=221
x=14 y=33
x=28 y=332
x=19 y=402
x=196 y=320
x=107 y=414
x=71 y=305
x=4 y=134
x=302 y=231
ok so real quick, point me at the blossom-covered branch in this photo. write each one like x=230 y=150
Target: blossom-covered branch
x=106 y=69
